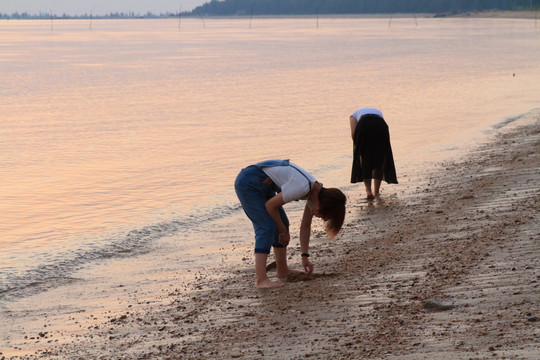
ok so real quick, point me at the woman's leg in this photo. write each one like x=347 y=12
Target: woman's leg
x=367 y=184
x=260 y=269
x=252 y=194
x=377 y=179
x=282 y=269
x=377 y=187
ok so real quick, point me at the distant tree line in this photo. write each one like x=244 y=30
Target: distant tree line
x=311 y=7
x=305 y=7
x=114 y=15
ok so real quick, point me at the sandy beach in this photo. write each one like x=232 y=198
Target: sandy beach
x=450 y=273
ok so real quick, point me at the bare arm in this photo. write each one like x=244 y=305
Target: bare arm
x=305 y=233
x=272 y=207
x=353 y=123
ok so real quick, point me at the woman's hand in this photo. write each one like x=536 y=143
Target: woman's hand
x=307 y=265
x=284 y=238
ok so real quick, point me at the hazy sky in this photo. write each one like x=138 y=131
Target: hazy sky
x=97 y=7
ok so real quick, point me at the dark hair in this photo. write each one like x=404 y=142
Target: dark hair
x=332 y=209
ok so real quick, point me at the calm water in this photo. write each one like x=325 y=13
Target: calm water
x=116 y=137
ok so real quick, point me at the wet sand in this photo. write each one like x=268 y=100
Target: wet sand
x=443 y=268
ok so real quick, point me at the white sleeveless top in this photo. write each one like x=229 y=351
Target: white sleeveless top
x=294 y=181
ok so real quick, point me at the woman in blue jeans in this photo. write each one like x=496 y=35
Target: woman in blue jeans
x=263 y=189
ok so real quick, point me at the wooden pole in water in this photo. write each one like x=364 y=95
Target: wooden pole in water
x=180 y=16
x=392 y=13
x=200 y=15
x=91 y=12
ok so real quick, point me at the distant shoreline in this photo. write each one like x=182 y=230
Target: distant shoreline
x=488 y=14
x=500 y=14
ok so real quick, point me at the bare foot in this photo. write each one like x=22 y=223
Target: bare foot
x=268 y=284
x=370 y=196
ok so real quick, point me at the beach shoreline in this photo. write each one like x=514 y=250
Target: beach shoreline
x=449 y=273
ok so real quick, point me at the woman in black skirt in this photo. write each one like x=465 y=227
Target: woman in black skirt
x=372 y=155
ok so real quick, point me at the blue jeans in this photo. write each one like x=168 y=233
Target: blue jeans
x=253 y=195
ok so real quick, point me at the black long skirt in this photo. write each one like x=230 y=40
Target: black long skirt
x=372 y=154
